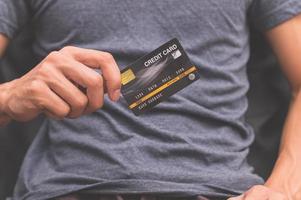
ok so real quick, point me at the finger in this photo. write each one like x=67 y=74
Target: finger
x=97 y=98
x=52 y=105
x=71 y=94
x=99 y=60
x=87 y=78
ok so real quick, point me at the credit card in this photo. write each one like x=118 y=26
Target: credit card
x=156 y=76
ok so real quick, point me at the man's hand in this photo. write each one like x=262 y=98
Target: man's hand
x=62 y=85
x=260 y=192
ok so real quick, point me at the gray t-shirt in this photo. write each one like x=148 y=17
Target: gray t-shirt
x=194 y=143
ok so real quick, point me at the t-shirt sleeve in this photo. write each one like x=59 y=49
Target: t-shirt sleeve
x=14 y=15
x=266 y=14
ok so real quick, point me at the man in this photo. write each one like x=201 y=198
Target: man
x=194 y=144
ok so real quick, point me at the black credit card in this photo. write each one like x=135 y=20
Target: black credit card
x=156 y=76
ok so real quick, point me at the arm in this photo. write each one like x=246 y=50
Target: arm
x=285 y=180
x=286 y=176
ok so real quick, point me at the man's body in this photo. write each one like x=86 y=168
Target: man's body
x=193 y=144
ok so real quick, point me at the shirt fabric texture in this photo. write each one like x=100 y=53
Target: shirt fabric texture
x=195 y=143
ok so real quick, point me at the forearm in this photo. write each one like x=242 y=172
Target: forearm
x=286 y=175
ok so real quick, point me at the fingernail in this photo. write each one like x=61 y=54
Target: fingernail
x=116 y=95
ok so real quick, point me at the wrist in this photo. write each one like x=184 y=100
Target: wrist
x=277 y=186
x=4 y=118
x=286 y=176
x=4 y=89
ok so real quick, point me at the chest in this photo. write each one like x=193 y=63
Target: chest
x=90 y=20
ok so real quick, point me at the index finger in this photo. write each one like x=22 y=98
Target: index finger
x=99 y=60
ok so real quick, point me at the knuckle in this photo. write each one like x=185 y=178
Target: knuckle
x=67 y=49
x=45 y=67
x=53 y=56
x=44 y=71
x=36 y=87
x=96 y=81
x=81 y=103
x=107 y=56
x=117 y=80
x=63 y=112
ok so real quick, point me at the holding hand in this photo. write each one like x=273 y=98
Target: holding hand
x=62 y=85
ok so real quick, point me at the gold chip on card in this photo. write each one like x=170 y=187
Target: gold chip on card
x=127 y=76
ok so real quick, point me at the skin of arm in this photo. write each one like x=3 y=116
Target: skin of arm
x=285 y=179
x=286 y=176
